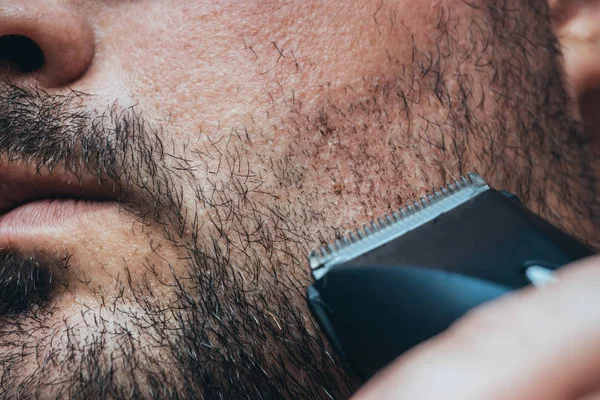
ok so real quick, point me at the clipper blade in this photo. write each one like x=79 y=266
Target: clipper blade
x=396 y=224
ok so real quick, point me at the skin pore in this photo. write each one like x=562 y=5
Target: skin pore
x=240 y=135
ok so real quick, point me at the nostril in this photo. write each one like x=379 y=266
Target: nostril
x=21 y=52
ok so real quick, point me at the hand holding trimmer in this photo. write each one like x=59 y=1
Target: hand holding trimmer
x=396 y=283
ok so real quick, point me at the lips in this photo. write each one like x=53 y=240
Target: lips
x=23 y=183
x=37 y=200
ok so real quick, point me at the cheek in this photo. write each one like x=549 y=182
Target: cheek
x=202 y=66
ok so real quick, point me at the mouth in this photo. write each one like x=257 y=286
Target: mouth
x=34 y=200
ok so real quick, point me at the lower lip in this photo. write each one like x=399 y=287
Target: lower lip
x=50 y=215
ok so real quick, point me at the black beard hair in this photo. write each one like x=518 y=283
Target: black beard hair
x=24 y=283
x=239 y=330
x=210 y=350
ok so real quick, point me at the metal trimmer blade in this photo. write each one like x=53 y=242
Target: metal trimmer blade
x=396 y=224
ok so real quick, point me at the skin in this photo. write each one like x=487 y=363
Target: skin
x=240 y=135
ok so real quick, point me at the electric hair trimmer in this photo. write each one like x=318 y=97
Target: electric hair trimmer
x=407 y=277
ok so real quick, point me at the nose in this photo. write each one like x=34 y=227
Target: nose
x=43 y=41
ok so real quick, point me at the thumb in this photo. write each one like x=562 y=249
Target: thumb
x=538 y=343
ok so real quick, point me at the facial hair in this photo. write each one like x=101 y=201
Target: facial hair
x=235 y=324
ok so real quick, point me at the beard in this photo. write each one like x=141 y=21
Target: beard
x=230 y=321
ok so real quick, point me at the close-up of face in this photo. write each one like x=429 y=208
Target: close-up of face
x=167 y=165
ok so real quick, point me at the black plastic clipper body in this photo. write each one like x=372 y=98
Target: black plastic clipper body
x=379 y=304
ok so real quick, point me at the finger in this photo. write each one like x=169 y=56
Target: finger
x=532 y=344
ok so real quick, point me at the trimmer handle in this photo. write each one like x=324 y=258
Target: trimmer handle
x=375 y=307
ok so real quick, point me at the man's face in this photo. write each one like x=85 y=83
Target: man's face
x=198 y=150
